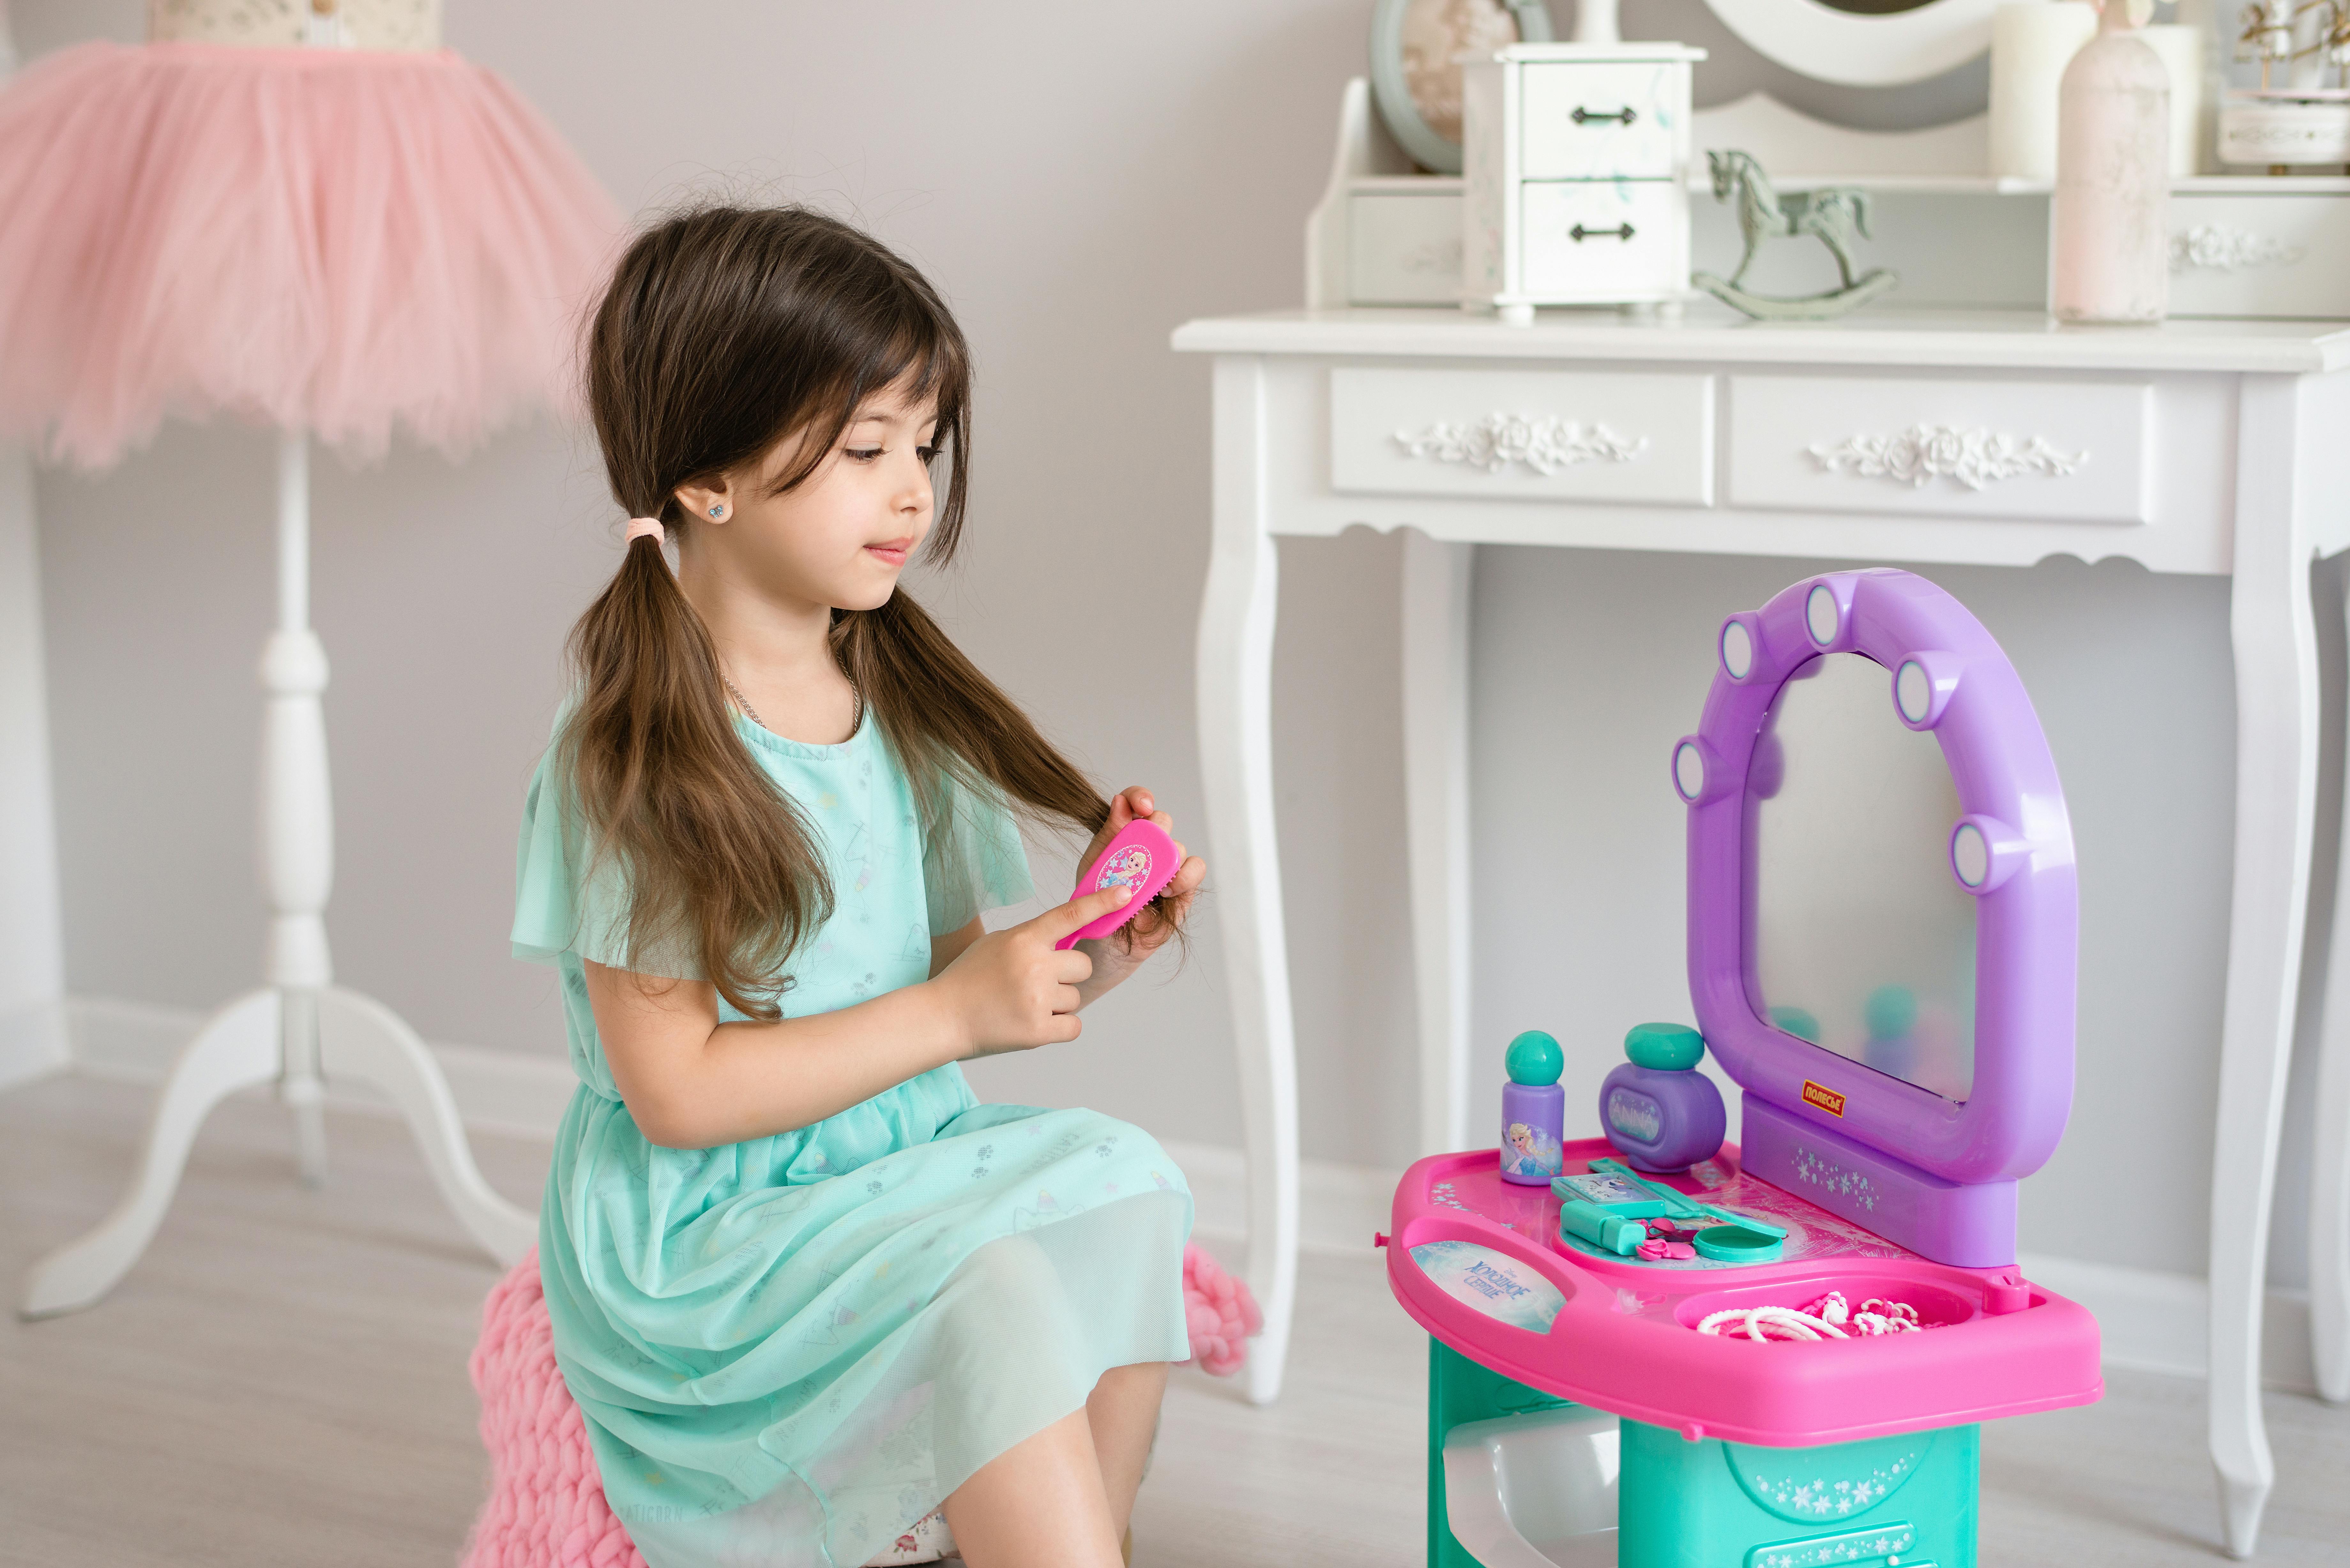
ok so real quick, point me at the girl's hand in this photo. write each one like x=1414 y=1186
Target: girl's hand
x=1128 y=948
x=1011 y=990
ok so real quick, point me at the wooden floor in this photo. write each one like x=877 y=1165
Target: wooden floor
x=282 y=1381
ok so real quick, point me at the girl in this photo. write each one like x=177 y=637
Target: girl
x=804 y=1286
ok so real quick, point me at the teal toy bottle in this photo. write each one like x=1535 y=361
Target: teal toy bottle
x=1534 y=1109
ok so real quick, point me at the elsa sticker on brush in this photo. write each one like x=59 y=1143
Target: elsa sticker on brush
x=1130 y=869
x=1528 y=1150
x=777 y=804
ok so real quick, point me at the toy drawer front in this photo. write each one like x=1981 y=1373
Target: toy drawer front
x=2074 y=451
x=2259 y=256
x=1524 y=435
x=1403 y=249
x=1626 y=120
x=1603 y=240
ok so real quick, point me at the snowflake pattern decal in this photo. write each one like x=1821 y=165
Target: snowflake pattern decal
x=1814 y=1170
x=1820 y=1551
x=1443 y=1192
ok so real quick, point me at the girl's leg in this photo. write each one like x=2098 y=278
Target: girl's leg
x=1123 y=1413
x=1039 y=1505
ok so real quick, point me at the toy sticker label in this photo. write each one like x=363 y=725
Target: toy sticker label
x=1827 y=1099
x=1494 y=1284
x=1130 y=866
x=1603 y=1188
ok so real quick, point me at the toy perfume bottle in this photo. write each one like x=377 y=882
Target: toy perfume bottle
x=1657 y=1109
x=1534 y=1109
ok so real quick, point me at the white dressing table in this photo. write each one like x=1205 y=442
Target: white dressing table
x=2196 y=447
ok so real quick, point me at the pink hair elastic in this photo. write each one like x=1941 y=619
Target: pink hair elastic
x=640 y=527
x=1144 y=858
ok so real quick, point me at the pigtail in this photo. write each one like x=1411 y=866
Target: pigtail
x=722 y=869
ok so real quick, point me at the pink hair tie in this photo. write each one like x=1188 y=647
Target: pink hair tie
x=642 y=527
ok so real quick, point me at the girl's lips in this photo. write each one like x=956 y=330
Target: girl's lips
x=894 y=553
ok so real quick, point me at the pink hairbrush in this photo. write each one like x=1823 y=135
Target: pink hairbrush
x=1144 y=858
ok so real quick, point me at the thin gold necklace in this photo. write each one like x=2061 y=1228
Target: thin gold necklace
x=753 y=713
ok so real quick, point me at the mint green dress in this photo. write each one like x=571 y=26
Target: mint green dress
x=790 y=1349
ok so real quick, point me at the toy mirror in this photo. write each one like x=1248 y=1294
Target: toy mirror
x=1863 y=941
x=1862 y=43
x=1882 y=908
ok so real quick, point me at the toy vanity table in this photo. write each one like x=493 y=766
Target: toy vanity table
x=1881 y=951
x=1962 y=436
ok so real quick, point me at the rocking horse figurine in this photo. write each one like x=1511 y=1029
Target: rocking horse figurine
x=1834 y=215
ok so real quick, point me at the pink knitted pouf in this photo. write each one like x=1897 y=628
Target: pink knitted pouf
x=546 y=1507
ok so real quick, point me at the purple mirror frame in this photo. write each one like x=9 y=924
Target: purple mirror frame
x=2026 y=916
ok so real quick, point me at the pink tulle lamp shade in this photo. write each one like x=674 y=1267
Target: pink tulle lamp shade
x=335 y=241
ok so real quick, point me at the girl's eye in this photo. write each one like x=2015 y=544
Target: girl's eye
x=864 y=453
x=929 y=454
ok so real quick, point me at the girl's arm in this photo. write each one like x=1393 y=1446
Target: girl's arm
x=691 y=1082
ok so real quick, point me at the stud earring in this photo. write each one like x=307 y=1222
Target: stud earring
x=719 y=509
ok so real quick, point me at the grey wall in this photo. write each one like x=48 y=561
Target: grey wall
x=1079 y=180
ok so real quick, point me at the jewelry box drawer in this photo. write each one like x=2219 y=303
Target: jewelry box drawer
x=2074 y=451
x=1534 y=435
x=1619 y=120
x=1602 y=239
x=2277 y=256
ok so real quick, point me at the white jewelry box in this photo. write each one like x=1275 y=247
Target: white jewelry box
x=1575 y=176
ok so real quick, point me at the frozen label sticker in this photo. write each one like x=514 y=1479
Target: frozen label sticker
x=1494 y=1282
x=1130 y=866
x=1603 y=1188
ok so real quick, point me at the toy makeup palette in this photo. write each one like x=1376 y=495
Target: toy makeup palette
x=1881 y=930
x=1144 y=858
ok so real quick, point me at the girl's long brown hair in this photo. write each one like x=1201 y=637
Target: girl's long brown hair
x=725 y=330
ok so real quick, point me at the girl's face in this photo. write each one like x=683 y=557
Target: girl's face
x=842 y=535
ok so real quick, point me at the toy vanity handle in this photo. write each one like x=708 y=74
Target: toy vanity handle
x=1583 y=116
x=1579 y=233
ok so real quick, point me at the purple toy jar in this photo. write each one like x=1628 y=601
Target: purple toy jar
x=1657 y=1109
x=1534 y=1110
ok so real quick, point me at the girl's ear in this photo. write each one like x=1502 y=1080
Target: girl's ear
x=708 y=502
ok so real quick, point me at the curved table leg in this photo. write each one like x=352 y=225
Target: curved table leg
x=1235 y=713
x=1436 y=582
x=2273 y=630
x=2329 y=1196
x=239 y=1047
x=359 y=1037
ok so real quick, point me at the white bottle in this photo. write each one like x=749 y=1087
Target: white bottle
x=2110 y=239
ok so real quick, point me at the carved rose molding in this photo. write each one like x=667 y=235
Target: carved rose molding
x=2217 y=247
x=1546 y=444
x=1923 y=453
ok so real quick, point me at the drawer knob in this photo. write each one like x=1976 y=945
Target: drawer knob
x=1579 y=233
x=1583 y=116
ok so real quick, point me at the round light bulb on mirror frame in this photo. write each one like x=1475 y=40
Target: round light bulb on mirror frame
x=1971 y=856
x=1737 y=649
x=1822 y=615
x=1688 y=771
x=1913 y=692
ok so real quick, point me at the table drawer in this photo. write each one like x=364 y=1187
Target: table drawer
x=1603 y=240
x=1603 y=144
x=2070 y=450
x=1535 y=435
x=2259 y=256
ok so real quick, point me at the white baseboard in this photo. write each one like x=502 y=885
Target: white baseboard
x=2152 y=1321
x=33 y=1042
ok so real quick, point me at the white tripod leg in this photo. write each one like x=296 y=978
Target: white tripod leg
x=359 y=1037
x=237 y=1048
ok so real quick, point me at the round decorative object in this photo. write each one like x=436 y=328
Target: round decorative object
x=1737 y=651
x=1735 y=1244
x=1535 y=1058
x=1413 y=79
x=1664 y=1047
x=1970 y=856
x=1821 y=616
x=1688 y=771
x=1913 y=692
x=1853 y=44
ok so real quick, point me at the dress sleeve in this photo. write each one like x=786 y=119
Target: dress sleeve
x=975 y=862
x=556 y=909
